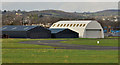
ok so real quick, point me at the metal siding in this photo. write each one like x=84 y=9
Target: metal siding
x=66 y=34
x=56 y=30
x=15 y=34
x=39 y=35
x=32 y=32
x=17 y=28
x=39 y=32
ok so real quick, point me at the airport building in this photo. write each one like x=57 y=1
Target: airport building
x=25 y=32
x=85 y=28
x=63 y=33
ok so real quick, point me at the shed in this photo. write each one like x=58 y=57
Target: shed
x=85 y=28
x=25 y=31
x=63 y=33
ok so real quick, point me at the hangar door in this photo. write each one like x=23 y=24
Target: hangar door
x=93 y=33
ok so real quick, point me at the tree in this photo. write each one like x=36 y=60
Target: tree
x=19 y=11
x=4 y=11
x=40 y=16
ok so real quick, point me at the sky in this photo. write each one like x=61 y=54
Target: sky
x=65 y=6
x=59 y=0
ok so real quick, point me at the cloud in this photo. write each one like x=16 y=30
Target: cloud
x=60 y=0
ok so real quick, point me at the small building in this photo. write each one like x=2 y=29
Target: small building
x=85 y=28
x=25 y=32
x=63 y=33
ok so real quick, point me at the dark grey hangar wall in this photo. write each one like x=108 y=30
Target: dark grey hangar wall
x=63 y=33
x=26 y=32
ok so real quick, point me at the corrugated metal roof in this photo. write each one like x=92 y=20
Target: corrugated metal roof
x=16 y=28
x=56 y=30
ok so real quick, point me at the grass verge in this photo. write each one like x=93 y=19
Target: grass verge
x=102 y=42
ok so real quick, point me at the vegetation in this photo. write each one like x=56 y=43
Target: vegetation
x=102 y=42
x=51 y=16
x=59 y=56
x=15 y=52
x=14 y=44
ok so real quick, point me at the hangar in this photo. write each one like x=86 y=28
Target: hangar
x=85 y=28
x=63 y=33
x=25 y=32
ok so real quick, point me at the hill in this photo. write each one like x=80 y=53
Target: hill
x=111 y=12
x=58 y=13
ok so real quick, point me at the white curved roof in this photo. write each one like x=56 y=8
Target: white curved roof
x=71 y=22
x=81 y=21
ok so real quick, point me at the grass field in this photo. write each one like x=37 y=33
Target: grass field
x=58 y=56
x=15 y=52
x=14 y=43
x=102 y=42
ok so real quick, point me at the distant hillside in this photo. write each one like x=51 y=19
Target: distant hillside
x=52 y=16
x=62 y=14
x=58 y=13
x=110 y=12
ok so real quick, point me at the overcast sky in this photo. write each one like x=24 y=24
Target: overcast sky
x=60 y=0
x=65 y=6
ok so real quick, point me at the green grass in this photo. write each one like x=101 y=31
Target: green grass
x=103 y=42
x=112 y=37
x=32 y=55
x=58 y=56
x=14 y=43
